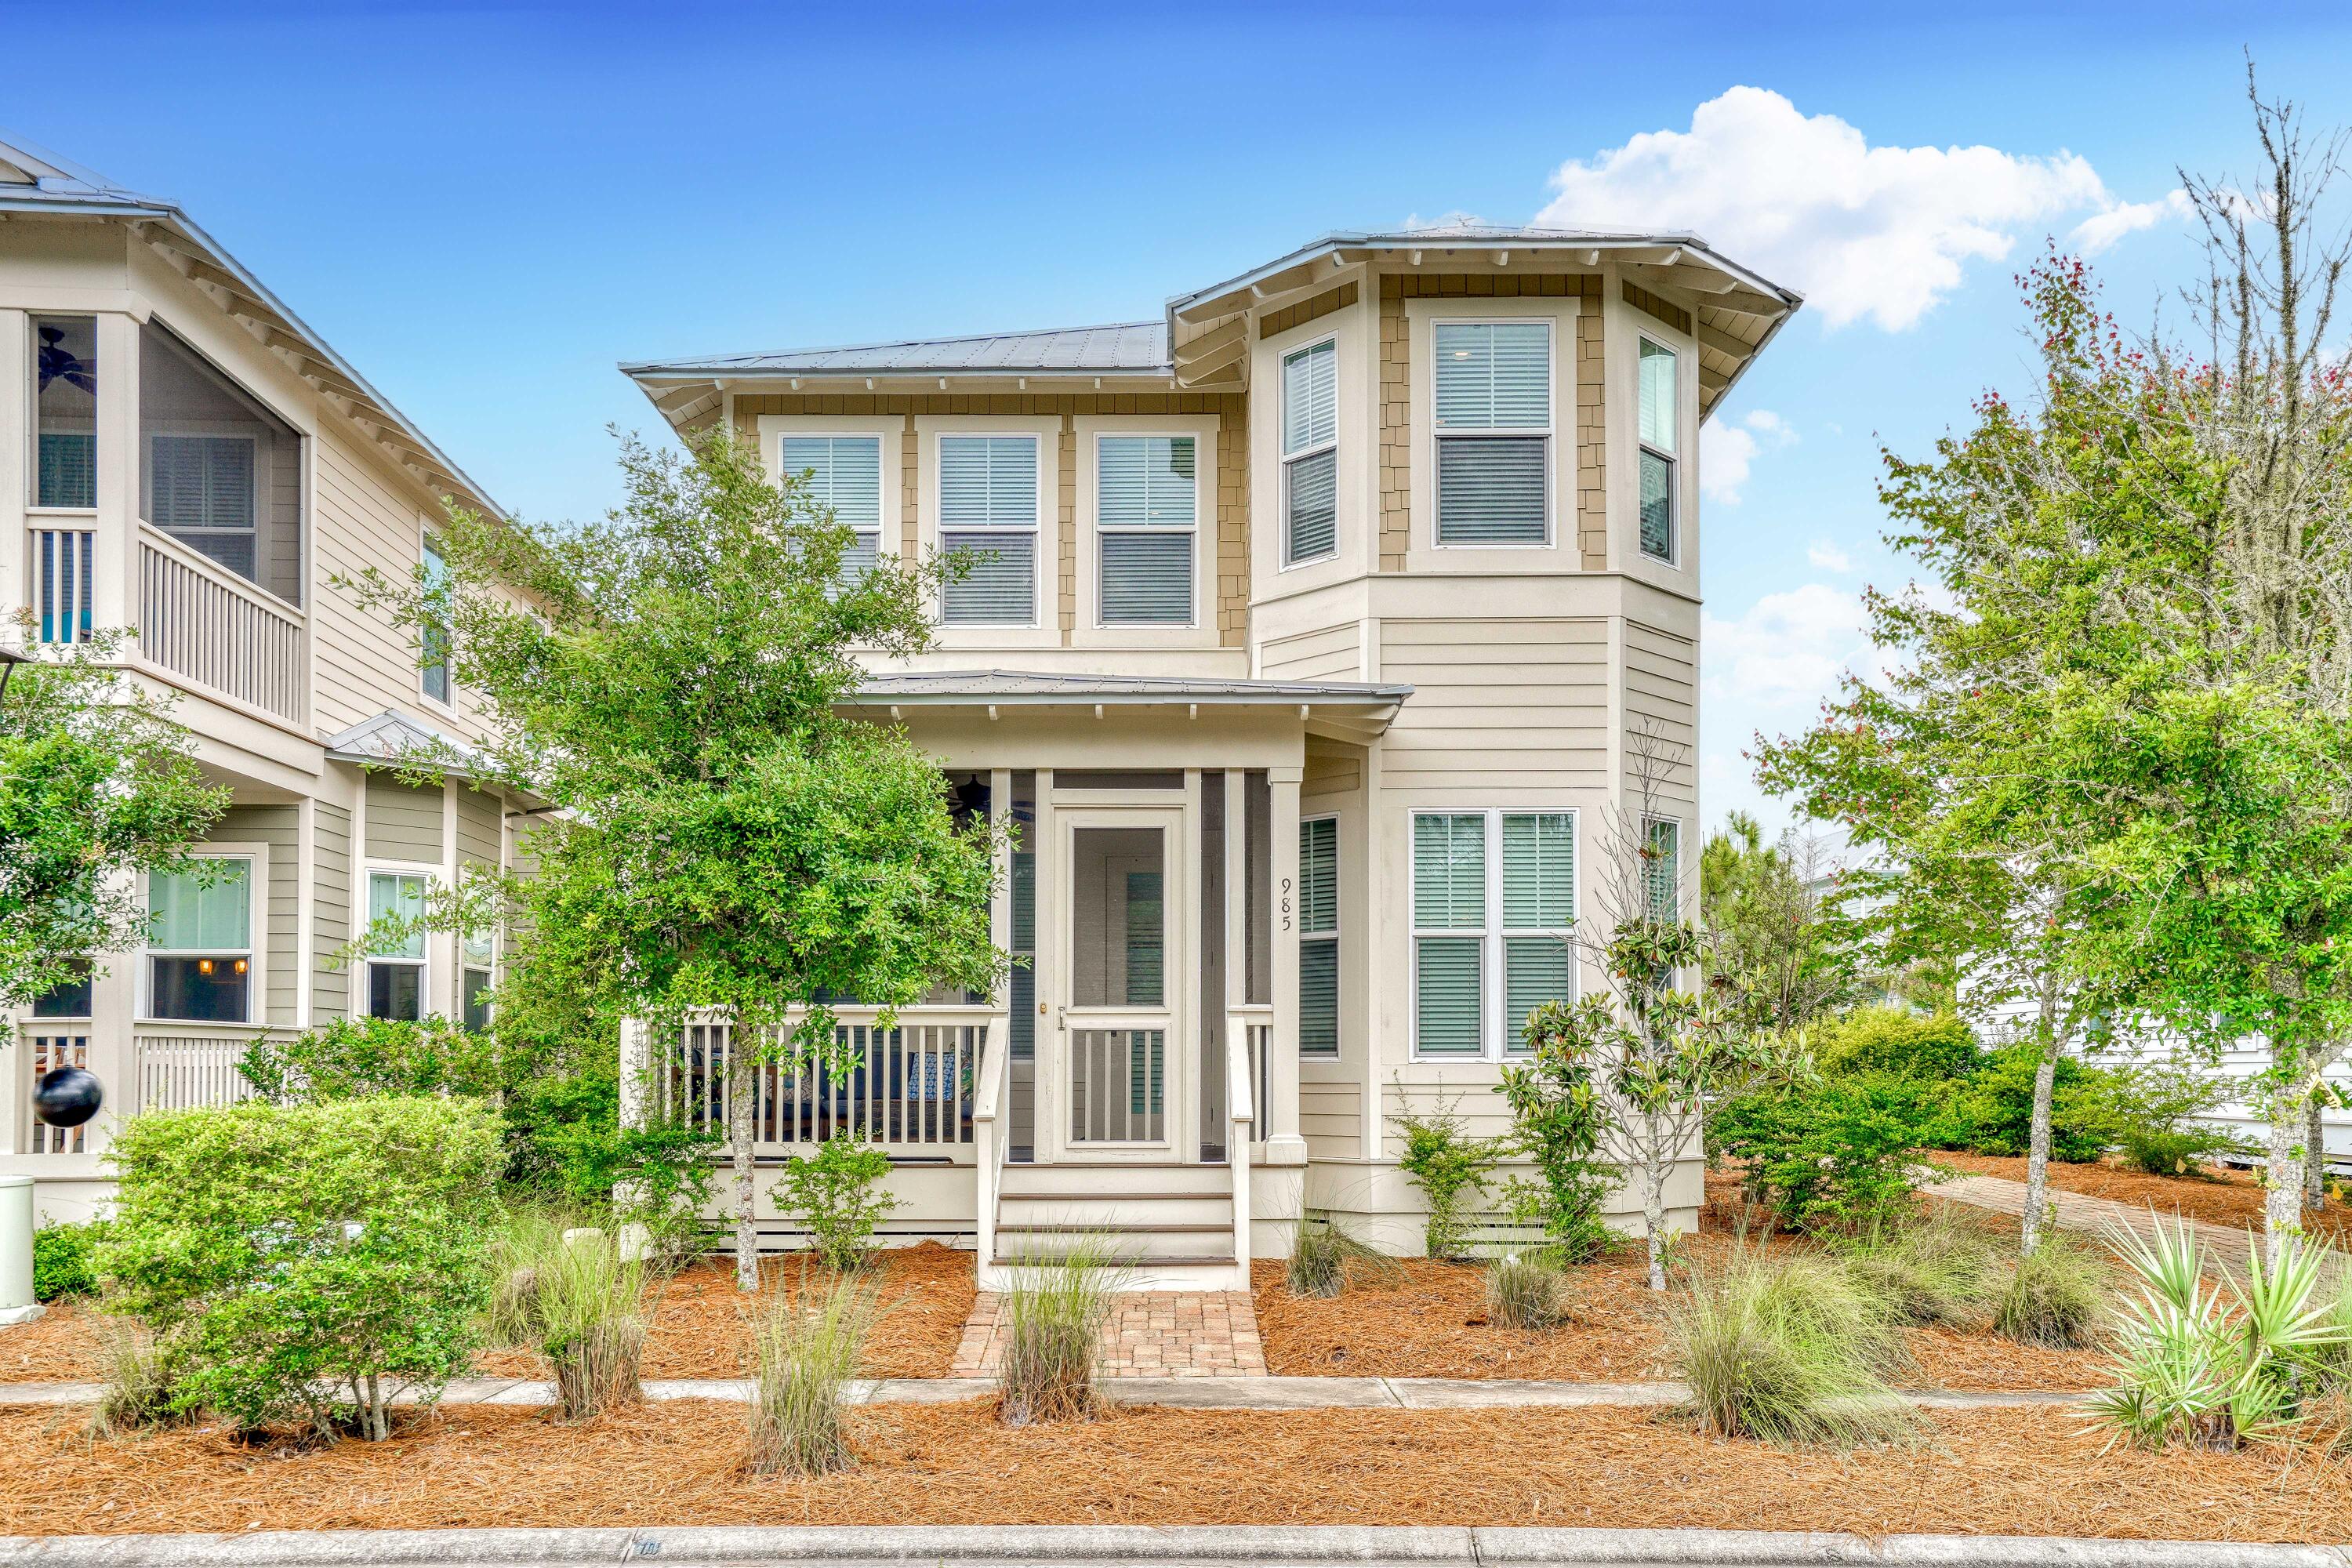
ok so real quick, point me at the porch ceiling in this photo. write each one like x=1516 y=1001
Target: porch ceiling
x=1346 y=710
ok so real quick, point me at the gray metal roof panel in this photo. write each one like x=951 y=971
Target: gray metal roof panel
x=1124 y=346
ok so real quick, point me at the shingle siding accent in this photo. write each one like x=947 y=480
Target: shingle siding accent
x=1275 y=322
x=1232 y=571
x=1396 y=412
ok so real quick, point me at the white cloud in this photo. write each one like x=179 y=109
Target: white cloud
x=2100 y=230
x=1828 y=556
x=1880 y=232
x=1726 y=451
x=1788 y=647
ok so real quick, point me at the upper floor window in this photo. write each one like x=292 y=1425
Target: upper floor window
x=434 y=654
x=843 y=473
x=64 y=403
x=200 y=943
x=1492 y=419
x=1146 y=512
x=218 y=472
x=1319 y=936
x=1310 y=453
x=1659 y=415
x=988 y=508
x=1494 y=902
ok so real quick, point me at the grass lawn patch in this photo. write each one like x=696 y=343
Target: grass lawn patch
x=2212 y=1193
x=2000 y=1472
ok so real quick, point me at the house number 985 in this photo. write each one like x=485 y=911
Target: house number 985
x=1286 y=903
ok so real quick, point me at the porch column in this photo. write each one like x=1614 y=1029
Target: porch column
x=1284 y=1145
x=16 y=413
x=114 y=590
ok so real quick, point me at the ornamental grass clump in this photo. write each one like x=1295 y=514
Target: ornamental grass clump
x=1931 y=1269
x=2054 y=1296
x=1325 y=1256
x=1527 y=1290
x=808 y=1350
x=587 y=1314
x=1791 y=1350
x=1053 y=1319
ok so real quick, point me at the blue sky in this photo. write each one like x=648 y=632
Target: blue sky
x=484 y=207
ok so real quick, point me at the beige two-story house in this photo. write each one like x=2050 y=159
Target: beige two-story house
x=180 y=454
x=1308 y=634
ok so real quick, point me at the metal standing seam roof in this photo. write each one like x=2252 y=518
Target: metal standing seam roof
x=1123 y=346
x=33 y=180
x=1014 y=686
x=390 y=740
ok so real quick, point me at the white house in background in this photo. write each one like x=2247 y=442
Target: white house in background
x=180 y=453
x=1314 y=621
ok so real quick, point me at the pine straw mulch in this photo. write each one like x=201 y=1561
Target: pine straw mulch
x=699 y=1325
x=1427 y=1319
x=2211 y=1194
x=67 y=1343
x=2022 y=1472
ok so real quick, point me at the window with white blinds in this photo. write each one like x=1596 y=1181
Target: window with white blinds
x=1661 y=869
x=1658 y=415
x=988 y=511
x=844 y=474
x=1492 y=419
x=1494 y=902
x=1319 y=936
x=1146 y=519
x=200 y=493
x=1310 y=453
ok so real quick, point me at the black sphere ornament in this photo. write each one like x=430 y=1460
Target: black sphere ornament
x=67 y=1097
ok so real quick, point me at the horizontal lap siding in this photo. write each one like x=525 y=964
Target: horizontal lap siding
x=330 y=913
x=278 y=908
x=1332 y=653
x=1497 y=704
x=478 y=838
x=1662 y=690
x=403 y=822
x=1330 y=1115
x=364 y=663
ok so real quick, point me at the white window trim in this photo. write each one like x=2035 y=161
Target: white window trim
x=428 y=536
x=32 y=395
x=1493 y=1045
x=1335 y=936
x=213 y=430
x=1046 y=630
x=1092 y=630
x=1550 y=432
x=257 y=914
x=1423 y=552
x=1672 y=557
x=1283 y=460
x=1648 y=820
x=773 y=427
x=370 y=871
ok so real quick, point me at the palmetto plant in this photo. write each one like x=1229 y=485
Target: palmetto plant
x=2208 y=1365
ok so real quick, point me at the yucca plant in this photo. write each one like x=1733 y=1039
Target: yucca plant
x=808 y=1351
x=1325 y=1255
x=1790 y=1349
x=1527 y=1290
x=1054 y=1314
x=2197 y=1370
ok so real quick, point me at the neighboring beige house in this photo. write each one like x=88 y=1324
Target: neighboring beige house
x=180 y=454
x=1313 y=626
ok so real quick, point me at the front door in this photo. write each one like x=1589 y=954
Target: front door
x=1124 y=1073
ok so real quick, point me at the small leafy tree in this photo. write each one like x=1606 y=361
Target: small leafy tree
x=306 y=1263
x=675 y=678
x=96 y=785
x=1773 y=949
x=1449 y=1164
x=838 y=1194
x=1556 y=1109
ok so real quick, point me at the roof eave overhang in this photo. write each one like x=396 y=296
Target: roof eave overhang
x=1349 y=716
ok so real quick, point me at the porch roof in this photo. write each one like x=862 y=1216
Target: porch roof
x=1365 y=707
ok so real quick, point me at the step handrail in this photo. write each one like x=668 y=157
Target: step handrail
x=1240 y=1116
x=990 y=1105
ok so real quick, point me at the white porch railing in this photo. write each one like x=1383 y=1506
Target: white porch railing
x=1253 y=1027
x=911 y=1088
x=992 y=1128
x=1240 y=1117
x=202 y=621
x=186 y=1067
x=58 y=575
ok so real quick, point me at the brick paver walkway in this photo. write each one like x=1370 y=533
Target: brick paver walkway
x=2225 y=1247
x=1199 y=1334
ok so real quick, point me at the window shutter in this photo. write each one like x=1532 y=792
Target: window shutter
x=1491 y=489
x=1319 y=876
x=1538 y=871
x=988 y=506
x=69 y=469
x=1493 y=375
x=1310 y=397
x=1536 y=970
x=1146 y=986
x=1449 y=871
x=1657 y=397
x=1314 y=508
x=1318 y=996
x=1446 y=1009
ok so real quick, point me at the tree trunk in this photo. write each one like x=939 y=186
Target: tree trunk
x=2315 y=1160
x=2283 y=1183
x=2037 y=1145
x=739 y=1070
x=1655 y=1168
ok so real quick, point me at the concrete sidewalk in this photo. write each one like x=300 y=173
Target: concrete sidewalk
x=1182 y=1393
x=1137 y=1546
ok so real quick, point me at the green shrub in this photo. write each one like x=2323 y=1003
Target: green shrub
x=1325 y=1252
x=2055 y=1295
x=807 y=1354
x=2154 y=1110
x=1558 y=1116
x=1788 y=1350
x=838 y=1194
x=1832 y=1154
x=1992 y=1111
x=1935 y=1268
x=1897 y=1041
x=1527 y=1290
x=1053 y=1312
x=363 y=1058
x=305 y=1263
x=1448 y=1165
x=61 y=1261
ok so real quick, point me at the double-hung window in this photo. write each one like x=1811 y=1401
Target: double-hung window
x=1310 y=453
x=844 y=474
x=476 y=953
x=395 y=962
x=1494 y=904
x=201 y=492
x=1659 y=416
x=988 y=510
x=433 y=634
x=1147 y=513
x=1319 y=936
x=1494 y=425
x=200 y=943
x=1661 y=869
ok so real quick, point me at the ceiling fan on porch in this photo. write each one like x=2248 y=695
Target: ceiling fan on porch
x=60 y=362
